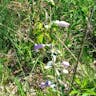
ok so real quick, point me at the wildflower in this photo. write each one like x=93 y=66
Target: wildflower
x=65 y=71
x=40 y=46
x=48 y=26
x=42 y=85
x=65 y=63
x=49 y=45
x=61 y=23
x=49 y=65
x=46 y=84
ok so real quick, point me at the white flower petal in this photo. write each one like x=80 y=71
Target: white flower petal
x=61 y=23
x=65 y=71
x=49 y=65
x=52 y=86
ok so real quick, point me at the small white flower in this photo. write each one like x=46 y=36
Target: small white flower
x=61 y=23
x=47 y=26
x=65 y=71
x=49 y=65
x=53 y=86
x=49 y=45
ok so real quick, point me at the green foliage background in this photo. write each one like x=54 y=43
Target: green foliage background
x=22 y=25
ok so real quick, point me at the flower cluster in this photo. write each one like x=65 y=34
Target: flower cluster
x=58 y=66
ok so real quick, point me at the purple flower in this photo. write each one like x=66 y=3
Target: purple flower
x=38 y=46
x=42 y=85
x=61 y=23
x=46 y=84
x=65 y=63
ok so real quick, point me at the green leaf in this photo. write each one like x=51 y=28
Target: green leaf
x=40 y=38
x=20 y=87
x=85 y=94
x=74 y=92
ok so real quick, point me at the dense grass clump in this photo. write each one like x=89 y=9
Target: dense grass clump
x=47 y=48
